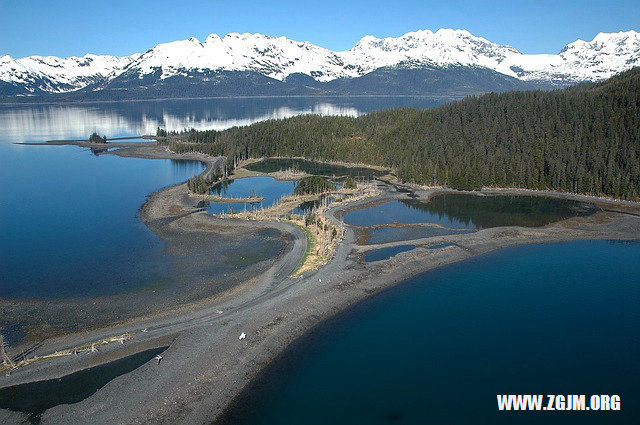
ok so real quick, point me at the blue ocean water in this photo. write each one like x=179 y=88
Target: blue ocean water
x=560 y=318
x=70 y=223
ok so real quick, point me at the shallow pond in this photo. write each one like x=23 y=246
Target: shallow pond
x=312 y=167
x=307 y=207
x=401 y=212
x=463 y=211
x=385 y=234
x=503 y=210
x=267 y=187
x=458 y=213
x=560 y=318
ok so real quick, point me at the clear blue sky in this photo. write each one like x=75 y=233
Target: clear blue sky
x=69 y=27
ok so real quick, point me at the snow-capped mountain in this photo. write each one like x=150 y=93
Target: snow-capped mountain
x=280 y=57
x=607 y=54
x=50 y=74
x=601 y=58
x=273 y=57
x=445 y=47
x=264 y=60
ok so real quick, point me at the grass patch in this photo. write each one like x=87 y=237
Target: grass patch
x=311 y=243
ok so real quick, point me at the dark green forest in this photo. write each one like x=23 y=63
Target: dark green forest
x=582 y=139
x=313 y=184
x=95 y=138
x=199 y=185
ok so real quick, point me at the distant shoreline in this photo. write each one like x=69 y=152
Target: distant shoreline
x=163 y=99
x=53 y=142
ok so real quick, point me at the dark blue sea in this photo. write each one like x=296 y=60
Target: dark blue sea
x=561 y=318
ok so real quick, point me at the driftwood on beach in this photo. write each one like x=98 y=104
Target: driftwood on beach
x=6 y=361
x=216 y=198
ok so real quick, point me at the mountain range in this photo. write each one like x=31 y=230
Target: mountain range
x=446 y=62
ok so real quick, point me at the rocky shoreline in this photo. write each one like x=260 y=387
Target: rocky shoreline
x=206 y=365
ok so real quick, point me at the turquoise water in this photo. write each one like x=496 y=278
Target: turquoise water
x=267 y=187
x=560 y=318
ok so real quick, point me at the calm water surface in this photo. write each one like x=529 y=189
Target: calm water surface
x=462 y=211
x=401 y=212
x=69 y=218
x=70 y=225
x=308 y=207
x=267 y=187
x=391 y=251
x=502 y=210
x=560 y=318
x=458 y=213
x=135 y=118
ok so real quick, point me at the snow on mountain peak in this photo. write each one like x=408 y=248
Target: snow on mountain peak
x=53 y=74
x=622 y=36
x=279 y=57
x=450 y=32
x=444 y=47
x=212 y=38
x=275 y=57
x=600 y=58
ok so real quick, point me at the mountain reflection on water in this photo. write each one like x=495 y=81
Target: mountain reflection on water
x=46 y=122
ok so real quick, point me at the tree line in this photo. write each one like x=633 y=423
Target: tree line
x=313 y=185
x=95 y=138
x=582 y=139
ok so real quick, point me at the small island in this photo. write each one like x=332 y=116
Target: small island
x=96 y=138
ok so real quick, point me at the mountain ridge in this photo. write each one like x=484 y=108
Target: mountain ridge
x=278 y=58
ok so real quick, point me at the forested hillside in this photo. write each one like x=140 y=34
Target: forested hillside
x=581 y=139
